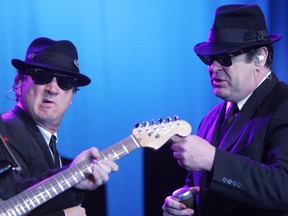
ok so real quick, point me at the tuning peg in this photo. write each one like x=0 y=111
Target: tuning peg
x=145 y=124
x=153 y=122
x=176 y=117
x=160 y=120
x=137 y=125
x=169 y=119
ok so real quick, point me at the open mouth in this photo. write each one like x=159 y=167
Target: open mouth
x=47 y=101
x=217 y=80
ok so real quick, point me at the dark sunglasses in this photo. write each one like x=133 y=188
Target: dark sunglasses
x=223 y=59
x=42 y=77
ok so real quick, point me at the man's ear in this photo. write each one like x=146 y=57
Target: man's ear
x=261 y=57
x=19 y=87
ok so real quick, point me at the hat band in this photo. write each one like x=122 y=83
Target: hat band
x=237 y=36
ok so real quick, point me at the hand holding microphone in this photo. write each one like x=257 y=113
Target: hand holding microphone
x=185 y=196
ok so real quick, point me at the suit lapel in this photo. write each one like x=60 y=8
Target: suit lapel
x=234 y=131
x=214 y=131
x=35 y=133
x=211 y=125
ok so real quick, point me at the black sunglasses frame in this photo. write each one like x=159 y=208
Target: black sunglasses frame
x=223 y=59
x=43 y=77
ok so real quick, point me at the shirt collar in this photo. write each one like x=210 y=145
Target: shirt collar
x=46 y=134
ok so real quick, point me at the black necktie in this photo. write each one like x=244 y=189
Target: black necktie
x=52 y=145
x=229 y=118
x=231 y=114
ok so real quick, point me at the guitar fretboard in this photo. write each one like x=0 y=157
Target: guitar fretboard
x=33 y=197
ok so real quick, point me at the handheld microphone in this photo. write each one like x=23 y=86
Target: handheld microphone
x=185 y=196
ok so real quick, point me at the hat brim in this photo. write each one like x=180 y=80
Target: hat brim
x=82 y=80
x=208 y=49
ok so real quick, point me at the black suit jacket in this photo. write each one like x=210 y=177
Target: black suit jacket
x=250 y=173
x=31 y=150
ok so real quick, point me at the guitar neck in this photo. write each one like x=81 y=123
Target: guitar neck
x=40 y=193
x=153 y=136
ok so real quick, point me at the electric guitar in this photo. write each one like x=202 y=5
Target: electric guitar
x=153 y=136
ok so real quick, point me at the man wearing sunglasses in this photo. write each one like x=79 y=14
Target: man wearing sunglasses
x=44 y=85
x=238 y=161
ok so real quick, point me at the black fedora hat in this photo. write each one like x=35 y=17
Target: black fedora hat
x=236 y=27
x=60 y=56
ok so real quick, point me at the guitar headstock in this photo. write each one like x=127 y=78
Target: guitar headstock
x=156 y=135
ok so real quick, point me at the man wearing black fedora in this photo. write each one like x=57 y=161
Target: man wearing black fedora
x=238 y=161
x=44 y=85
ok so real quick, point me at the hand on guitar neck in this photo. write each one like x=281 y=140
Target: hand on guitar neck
x=99 y=172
